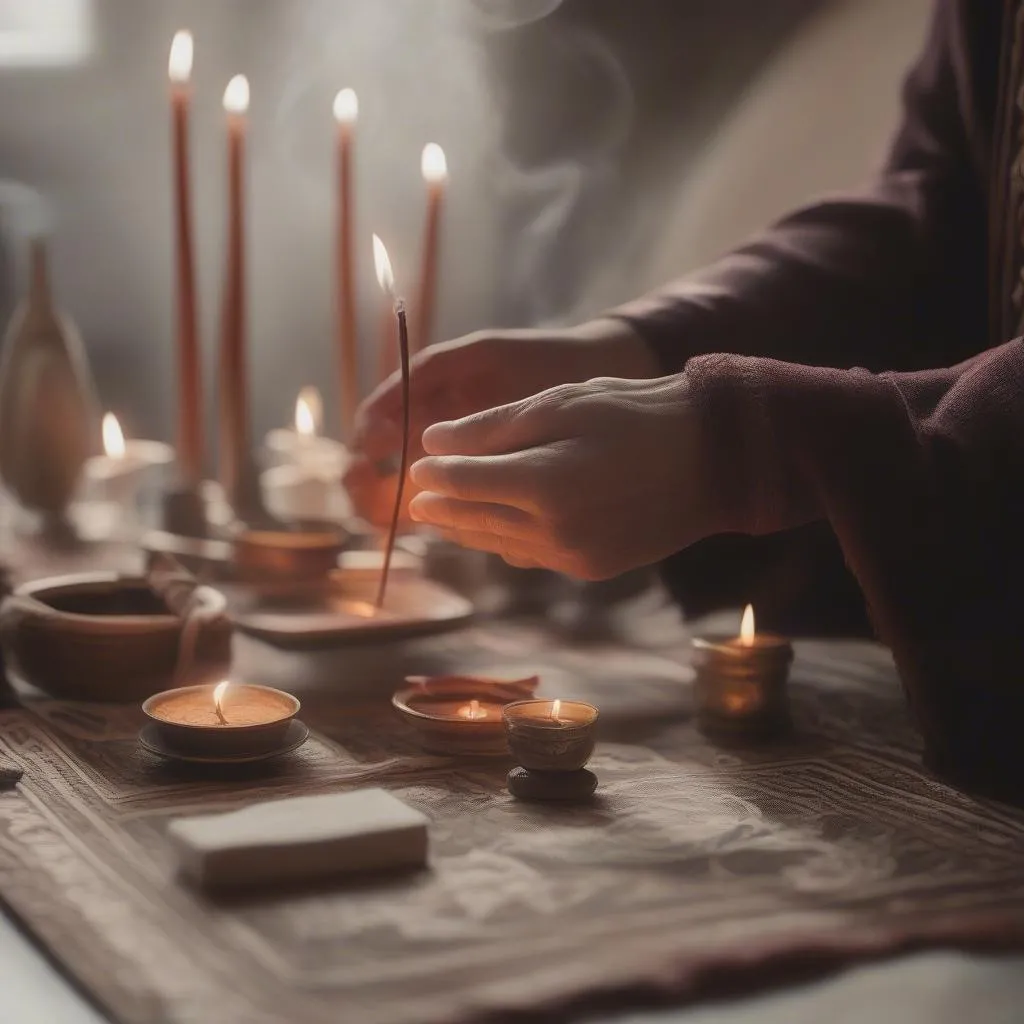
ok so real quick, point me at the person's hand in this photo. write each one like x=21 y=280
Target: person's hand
x=591 y=479
x=470 y=374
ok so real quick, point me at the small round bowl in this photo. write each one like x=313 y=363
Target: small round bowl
x=105 y=637
x=305 y=554
x=543 y=744
x=186 y=720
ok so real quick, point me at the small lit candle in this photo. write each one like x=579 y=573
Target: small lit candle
x=550 y=736
x=234 y=384
x=190 y=403
x=118 y=474
x=229 y=718
x=386 y=279
x=303 y=443
x=346 y=113
x=434 y=167
x=740 y=687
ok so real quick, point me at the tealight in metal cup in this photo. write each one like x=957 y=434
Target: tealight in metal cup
x=741 y=691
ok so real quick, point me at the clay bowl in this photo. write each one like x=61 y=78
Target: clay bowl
x=105 y=637
x=301 y=556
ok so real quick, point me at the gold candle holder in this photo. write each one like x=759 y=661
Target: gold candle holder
x=740 y=690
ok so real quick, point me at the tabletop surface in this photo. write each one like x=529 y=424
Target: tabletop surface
x=926 y=987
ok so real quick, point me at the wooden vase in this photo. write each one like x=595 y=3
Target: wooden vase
x=48 y=415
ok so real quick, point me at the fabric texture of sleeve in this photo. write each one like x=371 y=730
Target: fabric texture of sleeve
x=921 y=476
x=858 y=279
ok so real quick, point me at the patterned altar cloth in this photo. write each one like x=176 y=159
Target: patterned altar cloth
x=690 y=857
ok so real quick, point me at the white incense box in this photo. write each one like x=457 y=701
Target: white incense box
x=301 y=840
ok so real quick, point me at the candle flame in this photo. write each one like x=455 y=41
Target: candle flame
x=309 y=412
x=473 y=712
x=236 y=95
x=385 y=276
x=218 y=698
x=113 y=437
x=747 y=626
x=433 y=164
x=179 y=67
x=346 y=107
x=556 y=706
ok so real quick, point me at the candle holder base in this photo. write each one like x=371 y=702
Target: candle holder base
x=551 y=787
x=152 y=740
x=183 y=512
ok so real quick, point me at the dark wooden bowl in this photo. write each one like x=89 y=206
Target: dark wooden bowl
x=105 y=637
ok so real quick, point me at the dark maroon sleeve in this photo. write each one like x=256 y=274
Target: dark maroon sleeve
x=921 y=476
x=854 y=279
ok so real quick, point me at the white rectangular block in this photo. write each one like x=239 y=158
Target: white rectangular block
x=301 y=839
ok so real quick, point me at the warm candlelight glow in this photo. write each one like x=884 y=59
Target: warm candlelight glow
x=385 y=276
x=309 y=412
x=346 y=107
x=433 y=164
x=113 y=438
x=555 y=708
x=179 y=67
x=218 y=699
x=361 y=609
x=747 y=627
x=236 y=95
x=472 y=711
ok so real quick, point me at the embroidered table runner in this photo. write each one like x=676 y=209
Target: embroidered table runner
x=690 y=856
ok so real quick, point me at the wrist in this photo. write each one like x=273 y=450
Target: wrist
x=609 y=347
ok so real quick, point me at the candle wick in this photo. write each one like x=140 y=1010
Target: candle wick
x=220 y=714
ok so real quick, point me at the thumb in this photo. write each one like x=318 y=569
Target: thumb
x=499 y=431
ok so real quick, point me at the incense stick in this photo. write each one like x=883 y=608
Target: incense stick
x=403 y=466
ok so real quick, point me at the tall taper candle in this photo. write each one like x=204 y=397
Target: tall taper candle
x=190 y=400
x=346 y=112
x=387 y=283
x=234 y=384
x=434 y=167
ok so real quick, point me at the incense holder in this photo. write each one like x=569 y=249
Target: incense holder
x=105 y=637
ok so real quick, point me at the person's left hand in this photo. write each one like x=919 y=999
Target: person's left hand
x=590 y=479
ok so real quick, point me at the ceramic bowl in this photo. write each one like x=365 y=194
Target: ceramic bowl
x=106 y=637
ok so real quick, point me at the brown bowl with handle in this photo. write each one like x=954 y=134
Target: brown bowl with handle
x=106 y=637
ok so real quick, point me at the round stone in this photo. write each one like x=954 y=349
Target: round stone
x=577 y=786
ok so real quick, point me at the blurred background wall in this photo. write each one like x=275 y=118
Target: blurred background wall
x=596 y=148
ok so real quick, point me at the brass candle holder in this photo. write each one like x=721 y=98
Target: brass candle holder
x=551 y=741
x=740 y=690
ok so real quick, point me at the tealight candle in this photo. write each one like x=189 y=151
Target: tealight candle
x=119 y=473
x=740 y=688
x=550 y=735
x=303 y=443
x=228 y=719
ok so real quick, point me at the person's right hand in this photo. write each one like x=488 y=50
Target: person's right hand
x=474 y=373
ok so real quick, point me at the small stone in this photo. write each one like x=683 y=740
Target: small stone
x=524 y=784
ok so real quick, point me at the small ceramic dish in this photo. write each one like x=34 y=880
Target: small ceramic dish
x=461 y=714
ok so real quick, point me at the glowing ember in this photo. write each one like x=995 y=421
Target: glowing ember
x=309 y=412
x=361 y=609
x=346 y=107
x=218 y=698
x=236 y=95
x=747 y=627
x=434 y=164
x=113 y=438
x=179 y=67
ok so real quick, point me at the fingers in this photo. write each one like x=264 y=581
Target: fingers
x=506 y=428
x=472 y=516
x=499 y=479
x=516 y=553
